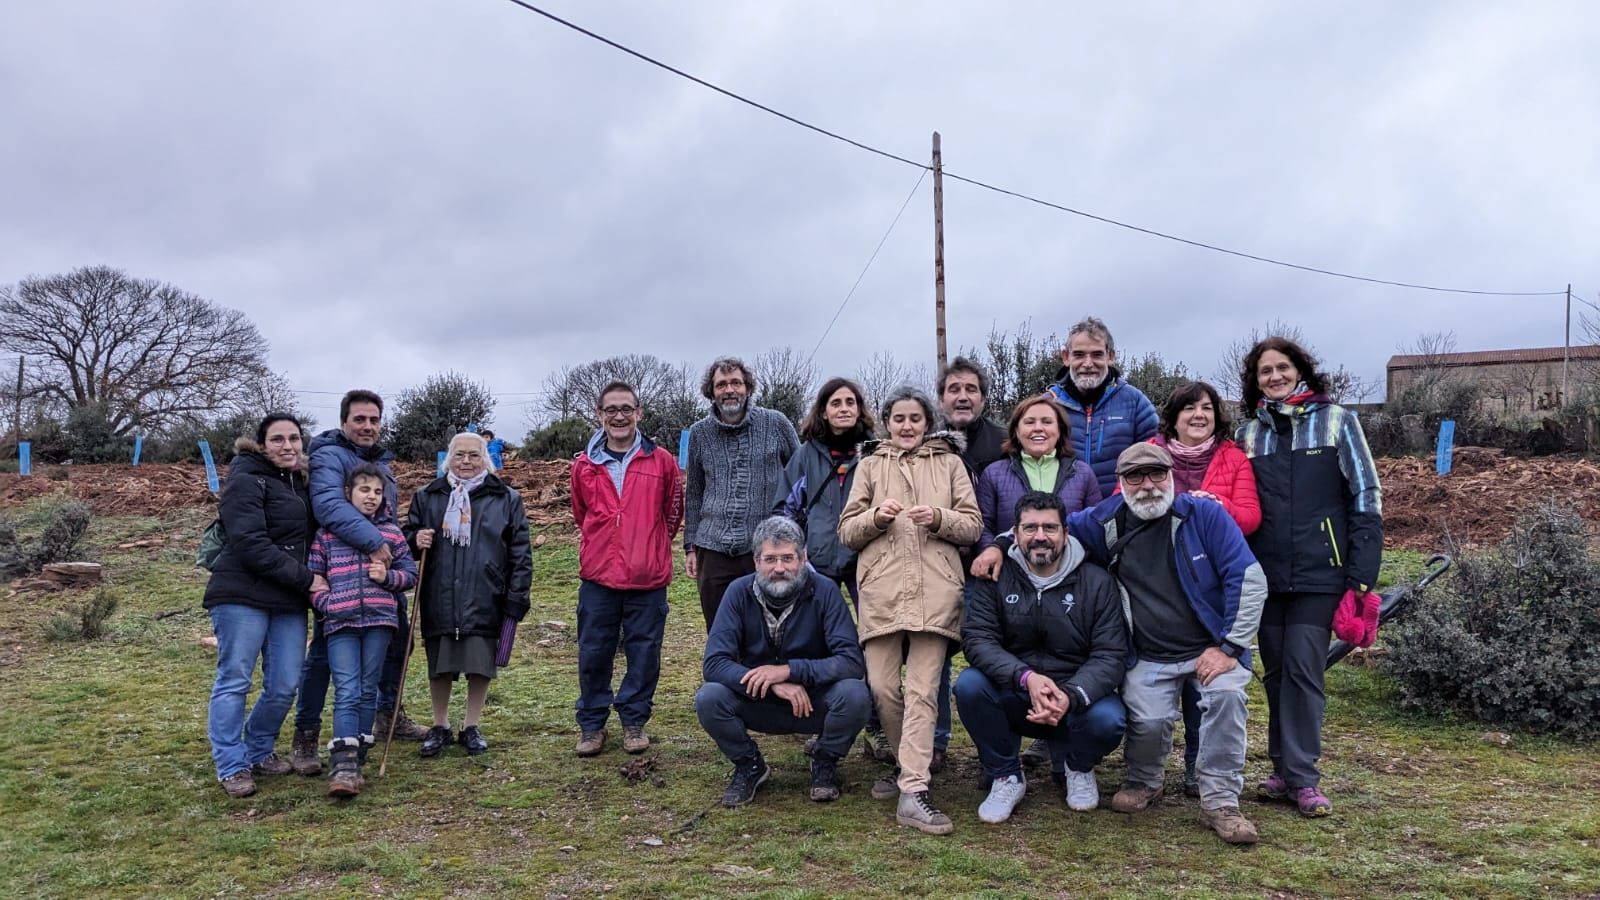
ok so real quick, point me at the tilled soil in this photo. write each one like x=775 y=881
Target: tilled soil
x=1474 y=506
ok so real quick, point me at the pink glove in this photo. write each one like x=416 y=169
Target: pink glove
x=1356 y=619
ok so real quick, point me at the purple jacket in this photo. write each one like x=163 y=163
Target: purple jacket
x=1003 y=484
x=354 y=600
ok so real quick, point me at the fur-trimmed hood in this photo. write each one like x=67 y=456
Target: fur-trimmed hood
x=937 y=442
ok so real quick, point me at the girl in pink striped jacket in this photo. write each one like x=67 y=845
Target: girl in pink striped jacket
x=354 y=594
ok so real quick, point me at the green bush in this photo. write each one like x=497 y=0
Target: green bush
x=1513 y=638
x=561 y=439
x=84 y=622
x=426 y=418
x=90 y=438
x=60 y=538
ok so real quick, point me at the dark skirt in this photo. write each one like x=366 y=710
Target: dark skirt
x=453 y=657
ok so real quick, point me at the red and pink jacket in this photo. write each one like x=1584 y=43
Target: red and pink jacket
x=354 y=600
x=626 y=536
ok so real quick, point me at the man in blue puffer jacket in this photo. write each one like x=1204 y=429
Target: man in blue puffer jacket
x=1108 y=415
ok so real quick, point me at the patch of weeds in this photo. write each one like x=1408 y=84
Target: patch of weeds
x=84 y=622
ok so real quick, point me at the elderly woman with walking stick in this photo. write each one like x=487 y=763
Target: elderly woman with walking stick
x=480 y=567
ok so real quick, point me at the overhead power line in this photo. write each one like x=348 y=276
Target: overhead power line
x=978 y=183
x=870 y=259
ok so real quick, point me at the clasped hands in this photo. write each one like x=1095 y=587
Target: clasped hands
x=762 y=679
x=1050 y=703
x=890 y=509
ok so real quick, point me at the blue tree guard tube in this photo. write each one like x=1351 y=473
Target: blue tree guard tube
x=211 y=468
x=439 y=471
x=683 y=449
x=25 y=458
x=1445 y=453
x=138 y=446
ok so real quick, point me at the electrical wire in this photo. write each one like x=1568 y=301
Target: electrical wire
x=870 y=259
x=978 y=183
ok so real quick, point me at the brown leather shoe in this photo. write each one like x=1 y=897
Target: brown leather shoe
x=239 y=785
x=591 y=743
x=634 y=740
x=1230 y=825
x=404 y=728
x=271 y=766
x=1132 y=798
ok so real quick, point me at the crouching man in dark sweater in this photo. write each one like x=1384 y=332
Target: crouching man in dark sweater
x=782 y=657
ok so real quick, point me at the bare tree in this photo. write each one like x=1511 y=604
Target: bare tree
x=149 y=355
x=1226 y=378
x=879 y=375
x=669 y=393
x=786 y=377
x=1019 y=366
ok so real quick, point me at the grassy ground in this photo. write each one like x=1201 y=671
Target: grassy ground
x=107 y=789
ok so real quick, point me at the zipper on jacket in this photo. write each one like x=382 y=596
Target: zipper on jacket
x=1336 y=561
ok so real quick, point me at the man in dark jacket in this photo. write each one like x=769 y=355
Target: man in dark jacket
x=333 y=454
x=1194 y=594
x=627 y=501
x=1108 y=415
x=963 y=397
x=782 y=657
x=1046 y=646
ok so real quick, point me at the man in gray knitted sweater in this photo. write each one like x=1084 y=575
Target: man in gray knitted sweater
x=736 y=459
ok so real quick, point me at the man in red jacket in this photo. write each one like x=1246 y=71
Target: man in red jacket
x=627 y=499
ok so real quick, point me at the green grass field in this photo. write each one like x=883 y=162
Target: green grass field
x=106 y=788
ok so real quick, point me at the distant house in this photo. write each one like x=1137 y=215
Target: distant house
x=1514 y=382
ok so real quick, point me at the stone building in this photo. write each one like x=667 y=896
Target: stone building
x=1514 y=382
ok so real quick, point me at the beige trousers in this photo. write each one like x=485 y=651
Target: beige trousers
x=908 y=716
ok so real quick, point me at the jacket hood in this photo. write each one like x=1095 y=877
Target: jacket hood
x=1306 y=406
x=249 y=456
x=592 y=452
x=938 y=442
x=377 y=453
x=1072 y=556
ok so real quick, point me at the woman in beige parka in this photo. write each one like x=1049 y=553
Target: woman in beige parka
x=910 y=510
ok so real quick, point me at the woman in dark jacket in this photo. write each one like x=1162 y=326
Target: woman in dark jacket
x=1321 y=537
x=1039 y=457
x=478 y=572
x=818 y=477
x=258 y=596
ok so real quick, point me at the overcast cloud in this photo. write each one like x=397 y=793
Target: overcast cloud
x=391 y=189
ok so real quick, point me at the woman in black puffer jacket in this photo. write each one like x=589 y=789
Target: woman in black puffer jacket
x=477 y=576
x=258 y=596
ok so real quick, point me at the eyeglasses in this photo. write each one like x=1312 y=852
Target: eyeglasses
x=612 y=412
x=785 y=559
x=727 y=385
x=1047 y=528
x=1141 y=476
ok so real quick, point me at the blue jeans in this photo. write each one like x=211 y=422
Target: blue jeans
x=355 y=660
x=838 y=712
x=639 y=618
x=245 y=634
x=314 y=677
x=997 y=718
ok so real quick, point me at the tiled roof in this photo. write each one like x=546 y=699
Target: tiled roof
x=1493 y=357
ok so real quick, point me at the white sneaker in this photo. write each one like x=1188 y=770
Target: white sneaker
x=1004 y=795
x=1083 y=792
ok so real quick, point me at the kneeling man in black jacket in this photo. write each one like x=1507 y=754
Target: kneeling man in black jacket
x=782 y=657
x=1046 y=645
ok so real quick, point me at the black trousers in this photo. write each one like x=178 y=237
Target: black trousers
x=716 y=572
x=1295 y=629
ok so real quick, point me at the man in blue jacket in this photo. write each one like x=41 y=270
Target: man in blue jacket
x=1108 y=415
x=782 y=657
x=333 y=453
x=1193 y=594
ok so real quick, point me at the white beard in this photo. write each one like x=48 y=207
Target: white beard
x=1151 y=503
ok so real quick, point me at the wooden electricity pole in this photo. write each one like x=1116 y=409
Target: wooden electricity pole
x=938 y=252
x=16 y=421
x=1566 y=349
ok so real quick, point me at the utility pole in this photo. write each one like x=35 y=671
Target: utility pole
x=16 y=421
x=1566 y=349
x=938 y=252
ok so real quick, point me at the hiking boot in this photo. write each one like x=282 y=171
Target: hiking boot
x=825 y=778
x=1230 y=825
x=1037 y=754
x=272 y=766
x=304 y=757
x=590 y=743
x=472 y=739
x=887 y=787
x=1191 y=783
x=917 y=810
x=748 y=774
x=1082 y=791
x=936 y=762
x=439 y=737
x=1004 y=795
x=1274 y=788
x=1312 y=803
x=342 y=761
x=404 y=728
x=239 y=785
x=1132 y=798
x=634 y=740
x=368 y=741
x=875 y=745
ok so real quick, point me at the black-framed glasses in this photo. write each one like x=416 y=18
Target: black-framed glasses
x=1141 y=476
x=613 y=411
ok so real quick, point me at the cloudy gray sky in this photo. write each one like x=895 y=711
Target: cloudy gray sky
x=390 y=189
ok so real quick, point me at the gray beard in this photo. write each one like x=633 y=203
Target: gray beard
x=1084 y=384
x=1150 y=508
x=777 y=593
x=736 y=414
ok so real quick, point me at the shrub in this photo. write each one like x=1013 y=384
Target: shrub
x=561 y=439
x=84 y=622
x=426 y=418
x=60 y=539
x=1513 y=638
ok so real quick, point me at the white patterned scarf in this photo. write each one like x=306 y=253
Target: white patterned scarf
x=458 y=515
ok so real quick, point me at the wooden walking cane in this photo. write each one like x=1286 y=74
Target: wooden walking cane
x=405 y=663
